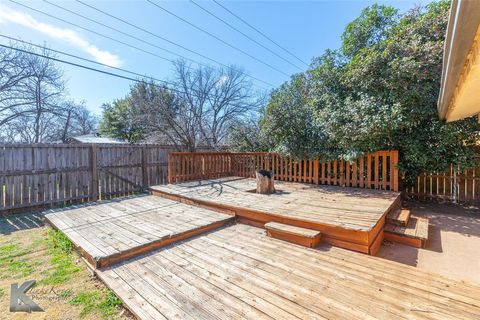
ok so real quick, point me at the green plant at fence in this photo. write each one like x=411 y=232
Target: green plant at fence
x=378 y=91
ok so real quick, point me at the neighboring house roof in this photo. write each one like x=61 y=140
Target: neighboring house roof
x=460 y=87
x=97 y=138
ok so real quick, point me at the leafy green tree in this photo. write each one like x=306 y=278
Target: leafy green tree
x=119 y=121
x=371 y=27
x=288 y=119
x=143 y=114
x=378 y=91
x=247 y=136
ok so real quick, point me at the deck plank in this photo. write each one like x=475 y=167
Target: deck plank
x=239 y=272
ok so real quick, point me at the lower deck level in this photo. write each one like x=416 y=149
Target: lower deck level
x=114 y=230
x=237 y=272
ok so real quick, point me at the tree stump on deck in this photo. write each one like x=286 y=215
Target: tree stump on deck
x=265 y=182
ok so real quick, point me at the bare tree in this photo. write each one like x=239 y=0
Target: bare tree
x=32 y=100
x=72 y=119
x=216 y=99
x=200 y=109
x=14 y=71
x=45 y=87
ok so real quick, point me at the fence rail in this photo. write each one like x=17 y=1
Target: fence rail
x=376 y=170
x=46 y=174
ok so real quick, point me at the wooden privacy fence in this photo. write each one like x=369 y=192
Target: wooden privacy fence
x=376 y=170
x=454 y=185
x=42 y=174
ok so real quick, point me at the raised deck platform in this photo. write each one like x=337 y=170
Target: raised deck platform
x=350 y=218
x=237 y=272
x=115 y=230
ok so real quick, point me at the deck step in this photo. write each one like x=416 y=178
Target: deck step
x=302 y=236
x=399 y=217
x=414 y=234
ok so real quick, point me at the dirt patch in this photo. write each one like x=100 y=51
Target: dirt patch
x=64 y=288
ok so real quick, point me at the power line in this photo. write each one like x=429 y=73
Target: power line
x=244 y=34
x=94 y=69
x=142 y=40
x=217 y=38
x=125 y=43
x=81 y=58
x=81 y=66
x=260 y=32
x=94 y=62
x=92 y=31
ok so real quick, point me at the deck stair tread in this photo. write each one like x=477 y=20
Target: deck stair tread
x=301 y=236
x=414 y=234
x=416 y=228
x=308 y=233
x=399 y=217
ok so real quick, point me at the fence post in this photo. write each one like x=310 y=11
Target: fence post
x=94 y=171
x=455 y=188
x=170 y=168
x=395 y=171
x=144 y=168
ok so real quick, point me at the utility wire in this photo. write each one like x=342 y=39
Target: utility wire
x=244 y=34
x=217 y=38
x=127 y=44
x=258 y=31
x=80 y=65
x=81 y=58
x=90 y=30
x=142 y=40
x=94 y=62
x=94 y=69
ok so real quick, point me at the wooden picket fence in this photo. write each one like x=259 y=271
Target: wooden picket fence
x=186 y=166
x=60 y=174
x=376 y=170
x=451 y=186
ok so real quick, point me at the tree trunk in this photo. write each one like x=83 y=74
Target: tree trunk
x=265 y=182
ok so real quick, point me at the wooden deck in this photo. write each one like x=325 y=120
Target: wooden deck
x=237 y=272
x=109 y=232
x=347 y=217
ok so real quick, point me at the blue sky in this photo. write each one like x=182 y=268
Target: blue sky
x=306 y=28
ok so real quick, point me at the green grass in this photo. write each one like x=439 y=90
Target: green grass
x=103 y=302
x=12 y=261
x=63 y=259
x=51 y=255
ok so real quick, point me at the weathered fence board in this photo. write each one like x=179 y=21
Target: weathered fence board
x=46 y=174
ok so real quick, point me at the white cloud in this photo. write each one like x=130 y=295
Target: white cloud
x=68 y=35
